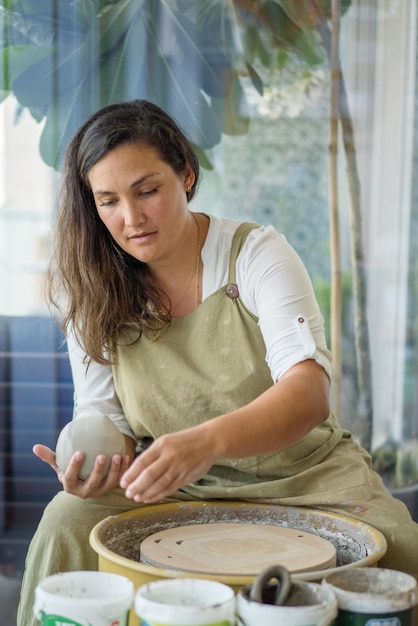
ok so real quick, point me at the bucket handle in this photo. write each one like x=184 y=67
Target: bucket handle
x=283 y=585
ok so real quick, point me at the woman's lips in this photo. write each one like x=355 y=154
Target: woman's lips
x=142 y=236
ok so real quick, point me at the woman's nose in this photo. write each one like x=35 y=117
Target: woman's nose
x=133 y=214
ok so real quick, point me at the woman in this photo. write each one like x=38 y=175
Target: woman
x=197 y=335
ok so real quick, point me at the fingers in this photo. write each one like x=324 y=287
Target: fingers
x=45 y=454
x=168 y=464
x=98 y=482
x=82 y=488
x=134 y=470
x=159 y=489
x=153 y=483
x=143 y=473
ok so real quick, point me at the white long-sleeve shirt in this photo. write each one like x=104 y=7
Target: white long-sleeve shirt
x=273 y=285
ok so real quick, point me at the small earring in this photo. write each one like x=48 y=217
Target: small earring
x=188 y=189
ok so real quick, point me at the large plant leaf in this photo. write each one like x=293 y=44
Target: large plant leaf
x=172 y=87
x=255 y=45
x=74 y=55
x=198 y=44
x=232 y=110
x=184 y=55
x=39 y=22
x=119 y=71
x=62 y=121
x=108 y=80
x=17 y=59
x=283 y=32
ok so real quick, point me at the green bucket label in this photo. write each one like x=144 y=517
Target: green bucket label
x=349 y=618
x=57 y=620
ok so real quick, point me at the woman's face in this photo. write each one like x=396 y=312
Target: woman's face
x=142 y=202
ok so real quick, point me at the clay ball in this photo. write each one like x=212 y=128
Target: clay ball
x=92 y=435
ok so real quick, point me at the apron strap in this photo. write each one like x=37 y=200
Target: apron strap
x=240 y=236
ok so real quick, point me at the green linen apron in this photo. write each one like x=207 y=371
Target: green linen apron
x=205 y=364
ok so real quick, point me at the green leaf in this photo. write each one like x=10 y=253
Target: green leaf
x=203 y=157
x=255 y=78
x=118 y=76
x=287 y=34
x=233 y=110
x=254 y=46
x=36 y=86
x=98 y=70
x=120 y=68
x=107 y=79
x=63 y=119
x=282 y=58
x=112 y=24
x=75 y=56
x=36 y=23
x=211 y=66
x=17 y=59
x=304 y=13
x=308 y=45
x=173 y=89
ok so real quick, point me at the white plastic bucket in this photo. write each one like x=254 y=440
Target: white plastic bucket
x=84 y=598
x=185 y=602
x=317 y=607
x=373 y=596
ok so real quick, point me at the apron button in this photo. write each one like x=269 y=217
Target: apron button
x=232 y=291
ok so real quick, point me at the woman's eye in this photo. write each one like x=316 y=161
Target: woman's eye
x=106 y=203
x=150 y=192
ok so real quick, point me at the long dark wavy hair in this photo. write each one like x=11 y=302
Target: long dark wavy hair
x=99 y=290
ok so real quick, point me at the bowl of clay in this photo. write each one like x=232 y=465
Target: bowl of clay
x=118 y=540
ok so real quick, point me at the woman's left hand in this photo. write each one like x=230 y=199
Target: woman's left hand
x=97 y=483
x=172 y=461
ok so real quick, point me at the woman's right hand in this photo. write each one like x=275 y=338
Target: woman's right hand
x=97 y=483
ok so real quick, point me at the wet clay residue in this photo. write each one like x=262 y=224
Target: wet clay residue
x=374 y=581
x=300 y=594
x=123 y=536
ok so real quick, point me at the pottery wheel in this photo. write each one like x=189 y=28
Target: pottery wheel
x=233 y=548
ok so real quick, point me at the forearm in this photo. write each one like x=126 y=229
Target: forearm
x=277 y=419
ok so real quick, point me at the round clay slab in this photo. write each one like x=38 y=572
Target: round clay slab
x=243 y=549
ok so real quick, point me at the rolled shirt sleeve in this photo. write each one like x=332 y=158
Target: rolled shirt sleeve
x=275 y=286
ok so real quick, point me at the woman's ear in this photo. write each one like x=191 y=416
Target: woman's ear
x=189 y=177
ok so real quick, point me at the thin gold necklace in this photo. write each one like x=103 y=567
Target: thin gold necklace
x=197 y=292
x=195 y=273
